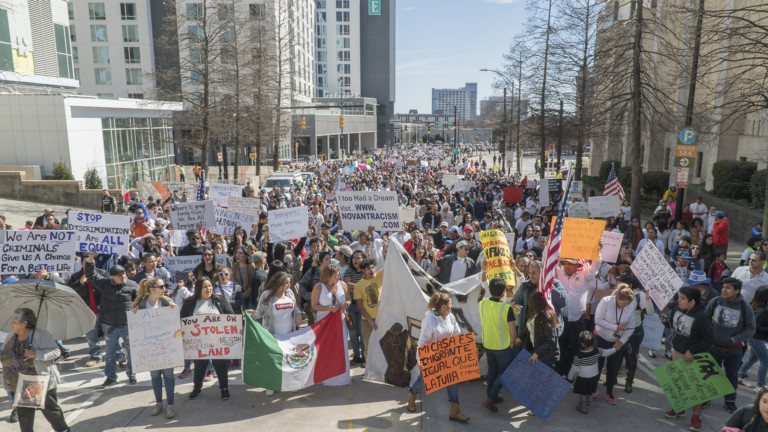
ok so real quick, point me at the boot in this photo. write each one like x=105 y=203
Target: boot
x=411 y=402
x=490 y=404
x=631 y=368
x=456 y=414
x=583 y=406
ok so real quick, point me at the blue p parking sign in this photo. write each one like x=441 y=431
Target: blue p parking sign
x=687 y=136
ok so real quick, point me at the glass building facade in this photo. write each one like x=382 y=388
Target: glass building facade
x=137 y=149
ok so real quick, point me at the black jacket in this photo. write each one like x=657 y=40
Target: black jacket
x=190 y=250
x=82 y=288
x=692 y=330
x=446 y=263
x=115 y=299
x=220 y=303
x=761 y=323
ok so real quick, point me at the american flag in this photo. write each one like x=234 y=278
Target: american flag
x=551 y=254
x=612 y=185
x=201 y=187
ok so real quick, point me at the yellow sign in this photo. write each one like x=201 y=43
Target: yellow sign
x=252 y=155
x=498 y=259
x=581 y=238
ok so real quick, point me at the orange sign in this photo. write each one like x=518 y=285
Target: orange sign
x=685 y=151
x=449 y=361
x=581 y=238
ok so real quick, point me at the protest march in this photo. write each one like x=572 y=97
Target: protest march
x=425 y=271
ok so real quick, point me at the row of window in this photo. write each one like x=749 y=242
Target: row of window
x=103 y=76
x=98 y=12
x=99 y=33
x=131 y=55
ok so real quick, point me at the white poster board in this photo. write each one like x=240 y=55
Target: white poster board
x=611 y=246
x=288 y=223
x=213 y=337
x=407 y=215
x=193 y=214
x=449 y=179
x=576 y=187
x=463 y=186
x=653 y=332
x=178 y=238
x=603 y=206
x=578 y=210
x=28 y=251
x=656 y=276
x=359 y=210
x=155 y=336
x=227 y=221
x=219 y=193
x=244 y=205
x=176 y=264
x=101 y=232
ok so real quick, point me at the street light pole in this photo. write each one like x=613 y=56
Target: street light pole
x=511 y=85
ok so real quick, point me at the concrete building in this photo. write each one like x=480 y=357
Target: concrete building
x=464 y=99
x=322 y=134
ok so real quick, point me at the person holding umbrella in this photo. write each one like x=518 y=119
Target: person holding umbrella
x=32 y=351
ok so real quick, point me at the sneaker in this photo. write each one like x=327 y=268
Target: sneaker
x=355 y=361
x=668 y=355
x=695 y=423
x=730 y=407
x=195 y=393
x=651 y=354
x=185 y=373
x=592 y=397
x=673 y=414
x=14 y=417
x=209 y=376
x=225 y=394
x=92 y=363
x=170 y=412
x=156 y=409
x=270 y=392
x=610 y=399
x=131 y=380
x=108 y=382
x=745 y=383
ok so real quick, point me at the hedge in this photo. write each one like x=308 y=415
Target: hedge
x=655 y=183
x=625 y=177
x=605 y=168
x=731 y=179
x=757 y=188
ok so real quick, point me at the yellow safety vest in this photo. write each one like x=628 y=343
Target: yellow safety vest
x=493 y=318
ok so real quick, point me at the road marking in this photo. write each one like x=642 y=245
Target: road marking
x=646 y=366
x=71 y=418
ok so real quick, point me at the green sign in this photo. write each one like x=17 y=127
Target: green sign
x=374 y=7
x=440 y=123
x=689 y=384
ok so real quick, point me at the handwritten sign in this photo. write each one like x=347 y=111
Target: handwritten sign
x=603 y=206
x=653 y=331
x=535 y=385
x=498 y=259
x=689 y=384
x=155 y=336
x=227 y=221
x=611 y=246
x=656 y=276
x=407 y=215
x=193 y=214
x=289 y=223
x=28 y=251
x=213 y=337
x=581 y=238
x=578 y=210
x=100 y=232
x=359 y=210
x=244 y=205
x=178 y=238
x=449 y=361
x=576 y=187
x=219 y=193
x=513 y=195
x=175 y=264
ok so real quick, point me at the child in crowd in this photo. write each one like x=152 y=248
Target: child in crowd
x=584 y=370
x=718 y=267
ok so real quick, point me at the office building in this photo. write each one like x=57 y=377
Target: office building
x=463 y=99
x=377 y=62
x=337 y=48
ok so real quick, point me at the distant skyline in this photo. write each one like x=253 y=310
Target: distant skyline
x=445 y=43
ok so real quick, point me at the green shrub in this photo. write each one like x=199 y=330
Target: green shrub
x=655 y=183
x=625 y=178
x=92 y=180
x=605 y=168
x=757 y=188
x=61 y=171
x=731 y=179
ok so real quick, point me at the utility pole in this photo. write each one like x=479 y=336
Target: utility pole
x=456 y=131
x=542 y=126
x=560 y=137
x=519 y=97
x=506 y=132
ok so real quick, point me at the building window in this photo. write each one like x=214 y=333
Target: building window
x=100 y=55
x=322 y=69
x=342 y=4
x=344 y=68
x=342 y=55
x=99 y=33
x=321 y=17
x=130 y=33
x=322 y=43
x=128 y=11
x=63 y=51
x=96 y=11
x=258 y=11
x=6 y=52
x=135 y=95
x=342 y=43
x=195 y=33
x=133 y=76
x=226 y=12
x=322 y=56
x=77 y=74
x=72 y=33
x=105 y=95
x=71 y=10
x=345 y=81
x=322 y=81
x=103 y=76
x=342 y=29
x=75 y=55
x=321 y=30
x=342 y=16
x=195 y=11
x=132 y=55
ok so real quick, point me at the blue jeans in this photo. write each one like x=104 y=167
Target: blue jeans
x=453 y=389
x=358 y=345
x=92 y=337
x=757 y=351
x=113 y=346
x=159 y=377
x=498 y=360
x=728 y=359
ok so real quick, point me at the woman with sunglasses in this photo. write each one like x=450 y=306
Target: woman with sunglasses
x=208 y=266
x=152 y=296
x=228 y=289
x=242 y=270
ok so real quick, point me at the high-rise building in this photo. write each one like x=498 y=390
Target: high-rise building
x=377 y=62
x=464 y=99
x=337 y=48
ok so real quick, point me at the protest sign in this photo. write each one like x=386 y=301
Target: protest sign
x=498 y=259
x=544 y=194
x=219 y=193
x=656 y=276
x=101 y=232
x=576 y=187
x=407 y=215
x=178 y=238
x=193 y=214
x=213 y=337
x=689 y=384
x=244 y=205
x=581 y=238
x=603 y=206
x=449 y=179
x=535 y=385
x=513 y=195
x=462 y=186
x=227 y=221
x=611 y=245
x=28 y=251
x=449 y=361
x=175 y=264
x=653 y=330
x=359 y=210
x=578 y=210
x=288 y=223
x=155 y=336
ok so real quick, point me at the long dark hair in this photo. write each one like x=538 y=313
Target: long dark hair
x=274 y=284
x=543 y=315
x=761 y=298
x=199 y=287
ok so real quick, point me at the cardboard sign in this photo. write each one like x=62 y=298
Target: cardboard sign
x=407 y=215
x=603 y=206
x=689 y=384
x=449 y=361
x=227 y=221
x=653 y=330
x=513 y=195
x=576 y=187
x=101 y=232
x=498 y=259
x=175 y=264
x=219 y=193
x=359 y=210
x=581 y=238
x=194 y=214
x=535 y=385
x=28 y=251
x=178 y=238
x=450 y=179
x=244 y=205
x=463 y=186
x=155 y=336
x=578 y=210
x=611 y=246
x=656 y=276
x=289 y=223
x=213 y=337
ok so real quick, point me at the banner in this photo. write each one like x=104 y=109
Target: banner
x=244 y=205
x=535 y=385
x=603 y=206
x=213 y=337
x=611 y=246
x=689 y=384
x=581 y=238
x=28 y=251
x=155 y=336
x=656 y=276
x=449 y=361
x=193 y=214
x=578 y=210
x=289 y=223
x=498 y=258
x=101 y=232
x=359 y=210
x=513 y=195
x=653 y=330
x=175 y=264
x=219 y=193
x=227 y=221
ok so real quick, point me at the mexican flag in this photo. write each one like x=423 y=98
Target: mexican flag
x=295 y=360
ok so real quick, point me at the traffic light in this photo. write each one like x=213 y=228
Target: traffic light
x=429 y=129
x=341 y=122
x=303 y=122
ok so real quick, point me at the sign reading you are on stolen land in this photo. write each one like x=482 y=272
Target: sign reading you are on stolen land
x=656 y=276
x=288 y=223
x=213 y=337
x=193 y=214
x=28 y=251
x=359 y=210
x=100 y=232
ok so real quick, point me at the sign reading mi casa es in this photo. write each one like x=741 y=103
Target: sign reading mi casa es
x=685 y=151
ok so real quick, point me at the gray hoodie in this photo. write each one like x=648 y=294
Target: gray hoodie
x=733 y=322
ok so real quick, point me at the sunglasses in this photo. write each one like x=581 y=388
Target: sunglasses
x=223 y=274
x=158 y=287
x=207 y=255
x=754 y=259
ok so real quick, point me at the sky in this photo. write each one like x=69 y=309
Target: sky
x=445 y=43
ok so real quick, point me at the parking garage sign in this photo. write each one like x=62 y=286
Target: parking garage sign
x=685 y=151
